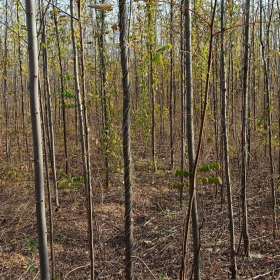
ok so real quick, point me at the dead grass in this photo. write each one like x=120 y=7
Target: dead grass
x=158 y=227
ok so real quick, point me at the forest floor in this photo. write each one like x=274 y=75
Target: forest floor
x=158 y=227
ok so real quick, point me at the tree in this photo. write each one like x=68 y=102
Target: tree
x=5 y=84
x=224 y=127
x=191 y=150
x=49 y=109
x=129 y=274
x=62 y=89
x=244 y=159
x=37 y=138
x=83 y=141
x=150 y=44
x=268 y=110
x=171 y=98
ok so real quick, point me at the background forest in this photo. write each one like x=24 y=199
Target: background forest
x=139 y=139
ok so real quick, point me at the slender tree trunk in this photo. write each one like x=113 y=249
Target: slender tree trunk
x=104 y=97
x=21 y=82
x=194 y=158
x=5 y=84
x=171 y=85
x=83 y=140
x=87 y=144
x=15 y=81
x=266 y=68
x=49 y=193
x=191 y=151
x=244 y=143
x=37 y=138
x=49 y=112
x=224 y=126
x=183 y=99
x=62 y=89
x=150 y=11
x=126 y=141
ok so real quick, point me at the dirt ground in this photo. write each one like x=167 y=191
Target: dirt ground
x=158 y=221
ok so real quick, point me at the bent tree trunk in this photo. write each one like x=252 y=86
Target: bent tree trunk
x=37 y=138
x=191 y=152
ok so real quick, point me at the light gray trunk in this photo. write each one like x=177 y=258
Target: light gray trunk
x=83 y=140
x=37 y=138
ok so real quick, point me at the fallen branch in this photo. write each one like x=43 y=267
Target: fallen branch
x=264 y=274
x=146 y=266
x=75 y=269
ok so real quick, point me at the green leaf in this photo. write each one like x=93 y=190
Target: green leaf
x=69 y=94
x=182 y=173
x=67 y=77
x=213 y=180
x=165 y=48
x=204 y=181
x=157 y=58
x=69 y=183
x=214 y=166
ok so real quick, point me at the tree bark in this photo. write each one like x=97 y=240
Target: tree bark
x=126 y=141
x=244 y=143
x=224 y=126
x=37 y=138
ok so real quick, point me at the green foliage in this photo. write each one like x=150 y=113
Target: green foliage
x=68 y=94
x=69 y=98
x=32 y=266
x=214 y=166
x=158 y=55
x=204 y=180
x=70 y=183
x=182 y=173
x=114 y=148
x=211 y=180
x=31 y=245
x=13 y=173
x=142 y=117
x=68 y=77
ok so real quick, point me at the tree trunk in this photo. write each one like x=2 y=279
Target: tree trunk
x=171 y=85
x=224 y=126
x=62 y=91
x=126 y=141
x=244 y=143
x=83 y=141
x=37 y=138
x=49 y=111
x=191 y=151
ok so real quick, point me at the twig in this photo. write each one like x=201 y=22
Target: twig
x=145 y=266
x=20 y=278
x=61 y=10
x=12 y=30
x=36 y=275
x=264 y=274
x=76 y=268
